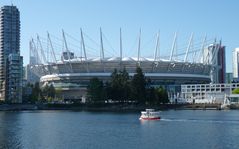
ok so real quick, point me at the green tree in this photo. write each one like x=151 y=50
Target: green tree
x=235 y=91
x=44 y=91
x=48 y=92
x=151 y=96
x=51 y=91
x=125 y=85
x=108 y=91
x=119 y=87
x=161 y=95
x=95 y=91
x=165 y=96
x=26 y=92
x=58 y=93
x=36 y=94
x=138 y=87
x=113 y=87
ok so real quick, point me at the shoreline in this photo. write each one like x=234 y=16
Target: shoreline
x=110 y=107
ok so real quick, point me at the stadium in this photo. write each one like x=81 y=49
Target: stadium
x=71 y=74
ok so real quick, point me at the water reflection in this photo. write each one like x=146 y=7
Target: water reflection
x=149 y=122
x=9 y=130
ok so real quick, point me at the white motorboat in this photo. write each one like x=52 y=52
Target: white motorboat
x=150 y=114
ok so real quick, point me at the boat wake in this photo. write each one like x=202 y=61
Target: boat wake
x=200 y=121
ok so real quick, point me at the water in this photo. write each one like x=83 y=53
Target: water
x=91 y=130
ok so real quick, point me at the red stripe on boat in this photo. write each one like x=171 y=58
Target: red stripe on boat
x=155 y=118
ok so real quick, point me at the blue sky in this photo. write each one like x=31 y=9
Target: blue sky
x=212 y=17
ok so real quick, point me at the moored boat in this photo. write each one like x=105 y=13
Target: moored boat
x=150 y=114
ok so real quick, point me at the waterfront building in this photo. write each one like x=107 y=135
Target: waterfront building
x=10 y=59
x=207 y=93
x=235 y=63
x=14 y=78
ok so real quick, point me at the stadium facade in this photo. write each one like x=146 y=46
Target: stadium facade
x=70 y=74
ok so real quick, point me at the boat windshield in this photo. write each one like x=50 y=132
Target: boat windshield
x=149 y=110
x=150 y=113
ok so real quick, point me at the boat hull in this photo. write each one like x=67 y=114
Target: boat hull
x=149 y=118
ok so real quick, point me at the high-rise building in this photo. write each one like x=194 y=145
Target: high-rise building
x=10 y=59
x=215 y=55
x=235 y=63
x=229 y=77
x=222 y=64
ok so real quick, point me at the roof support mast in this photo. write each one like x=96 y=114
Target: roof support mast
x=30 y=51
x=156 y=53
x=173 y=46
x=42 y=58
x=101 y=44
x=38 y=60
x=65 y=43
x=120 y=46
x=209 y=54
x=188 y=48
x=83 y=46
x=35 y=55
x=139 y=47
x=42 y=52
x=43 y=55
x=203 y=49
x=102 y=56
x=52 y=49
x=67 y=50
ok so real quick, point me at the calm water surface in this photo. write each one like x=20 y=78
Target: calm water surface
x=91 y=130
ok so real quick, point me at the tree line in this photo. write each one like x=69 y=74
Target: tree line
x=123 y=89
x=33 y=93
